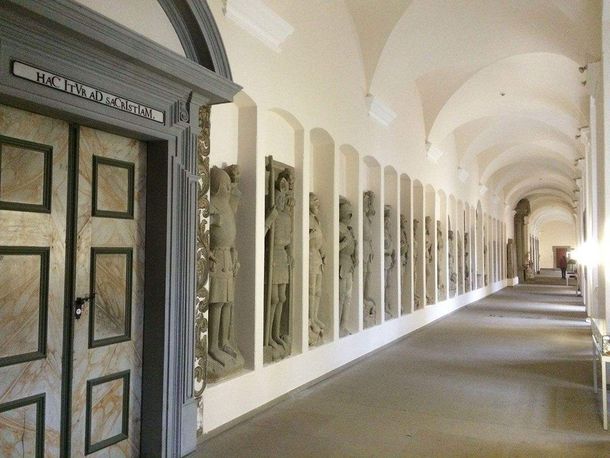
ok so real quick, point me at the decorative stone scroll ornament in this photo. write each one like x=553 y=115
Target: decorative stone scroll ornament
x=370 y=308
x=389 y=257
x=225 y=357
x=279 y=261
x=348 y=260
x=429 y=261
x=404 y=254
x=317 y=262
x=202 y=253
x=416 y=261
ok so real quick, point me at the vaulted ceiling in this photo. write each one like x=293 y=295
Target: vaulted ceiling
x=498 y=80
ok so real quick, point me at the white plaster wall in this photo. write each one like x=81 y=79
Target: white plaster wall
x=145 y=17
x=552 y=234
x=316 y=82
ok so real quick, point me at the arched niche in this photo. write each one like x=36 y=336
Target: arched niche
x=452 y=248
x=233 y=140
x=473 y=248
x=349 y=188
x=459 y=235
x=391 y=241
x=406 y=252
x=480 y=258
x=372 y=291
x=419 y=246
x=322 y=178
x=442 y=245
x=431 y=205
x=282 y=137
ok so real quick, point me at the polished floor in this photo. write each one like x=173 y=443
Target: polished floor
x=508 y=376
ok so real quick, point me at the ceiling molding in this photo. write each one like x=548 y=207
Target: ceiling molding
x=260 y=21
x=380 y=111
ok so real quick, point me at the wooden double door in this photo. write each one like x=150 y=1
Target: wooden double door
x=72 y=229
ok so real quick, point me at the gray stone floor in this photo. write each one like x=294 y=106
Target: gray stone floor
x=508 y=376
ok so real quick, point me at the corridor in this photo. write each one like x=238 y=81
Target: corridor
x=509 y=375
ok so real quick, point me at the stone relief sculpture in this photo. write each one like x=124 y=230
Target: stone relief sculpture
x=439 y=257
x=279 y=261
x=225 y=357
x=389 y=257
x=460 y=254
x=348 y=260
x=451 y=257
x=467 y=279
x=416 y=261
x=202 y=259
x=510 y=259
x=317 y=262
x=369 y=255
x=429 y=262
x=485 y=260
x=404 y=253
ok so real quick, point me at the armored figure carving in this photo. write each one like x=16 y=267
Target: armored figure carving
x=451 y=256
x=404 y=253
x=369 y=255
x=429 y=262
x=279 y=251
x=317 y=262
x=460 y=250
x=348 y=260
x=225 y=357
x=485 y=259
x=467 y=279
x=439 y=256
x=389 y=257
x=416 y=290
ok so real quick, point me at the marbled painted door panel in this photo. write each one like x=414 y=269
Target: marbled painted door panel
x=33 y=195
x=110 y=264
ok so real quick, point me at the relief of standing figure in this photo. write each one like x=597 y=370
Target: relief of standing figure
x=279 y=222
x=370 y=311
x=348 y=260
x=225 y=357
x=317 y=262
x=389 y=257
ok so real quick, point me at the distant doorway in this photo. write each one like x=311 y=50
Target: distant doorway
x=558 y=253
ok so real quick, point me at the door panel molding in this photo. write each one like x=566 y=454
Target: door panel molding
x=43 y=302
x=126 y=335
x=38 y=400
x=91 y=447
x=47 y=179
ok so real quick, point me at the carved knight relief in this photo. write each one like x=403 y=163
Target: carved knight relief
x=348 y=260
x=370 y=308
x=225 y=357
x=429 y=261
x=467 y=279
x=439 y=256
x=460 y=254
x=279 y=261
x=317 y=262
x=389 y=257
x=416 y=266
